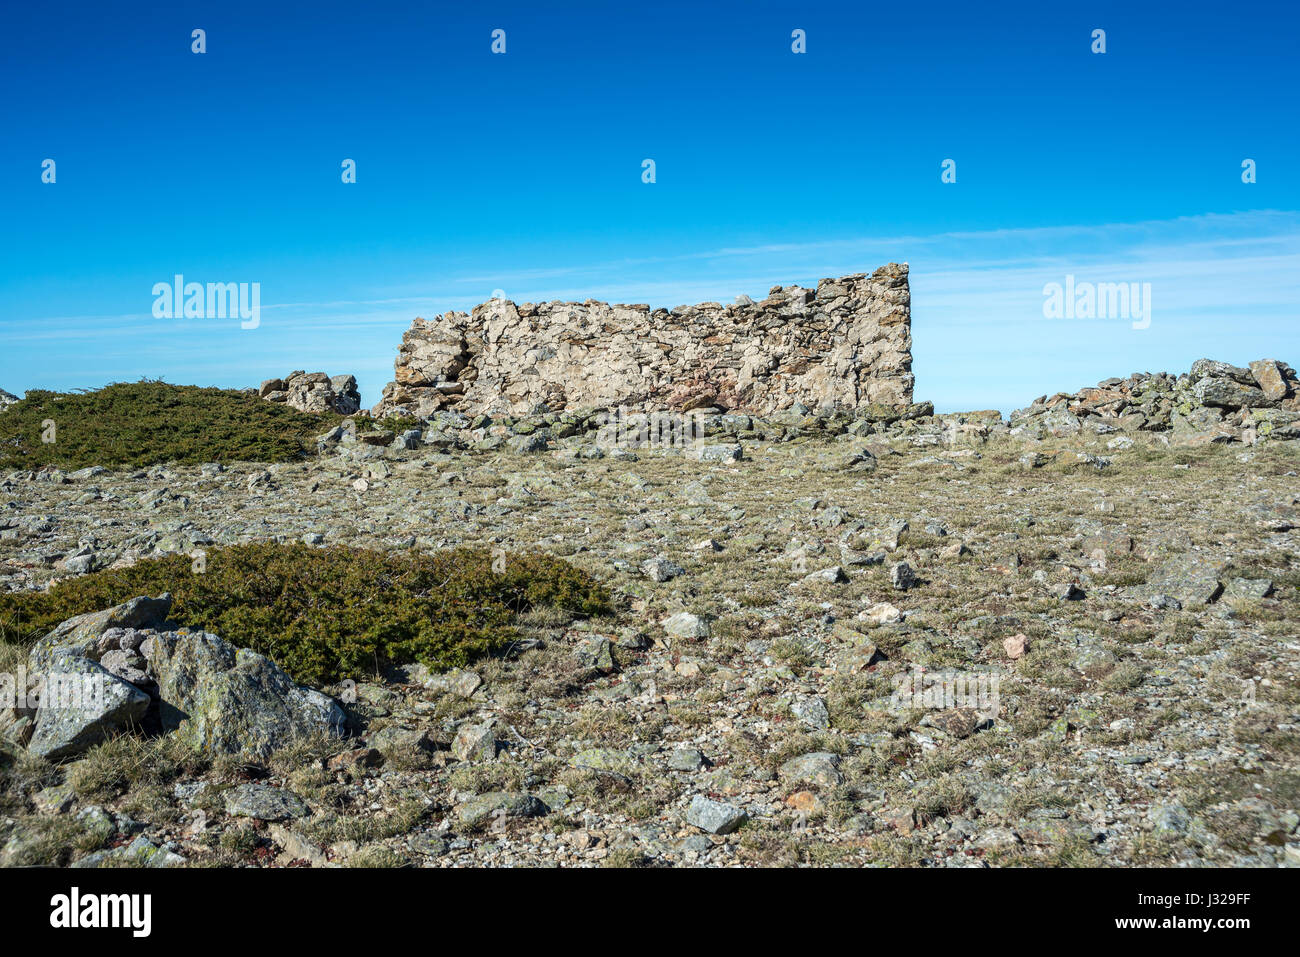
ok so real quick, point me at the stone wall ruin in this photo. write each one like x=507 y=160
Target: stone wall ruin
x=844 y=345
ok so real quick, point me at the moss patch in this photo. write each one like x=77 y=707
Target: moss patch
x=325 y=614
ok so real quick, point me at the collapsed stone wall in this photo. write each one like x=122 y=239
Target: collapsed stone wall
x=844 y=345
x=1214 y=402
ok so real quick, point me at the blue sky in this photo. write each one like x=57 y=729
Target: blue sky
x=522 y=172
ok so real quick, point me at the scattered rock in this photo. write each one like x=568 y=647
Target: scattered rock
x=475 y=742
x=141 y=852
x=827 y=576
x=818 y=767
x=1067 y=591
x=812 y=712
x=457 y=681
x=603 y=759
x=596 y=653
x=498 y=805
x=686 y=626
x=1248 y=588
x=395 y=741
x=720 y=453
x=686 y=759
x=263 y=803
x=661 y=570
x=902 y=577
x=356 y=760
x=883 y=613
x=1094 y=661
x=1193 y=578
x=715 y=817
x=859 y=460
x=295 y=847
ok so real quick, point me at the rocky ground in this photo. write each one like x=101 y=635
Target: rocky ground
x=1127 y=602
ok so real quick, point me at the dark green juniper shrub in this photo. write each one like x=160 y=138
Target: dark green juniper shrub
x=129 y=425
x=325 y=614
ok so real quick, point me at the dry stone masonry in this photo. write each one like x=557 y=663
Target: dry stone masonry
x=844 y=345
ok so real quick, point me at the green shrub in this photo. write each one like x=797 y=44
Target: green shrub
x=129 y=425
x=325 y=614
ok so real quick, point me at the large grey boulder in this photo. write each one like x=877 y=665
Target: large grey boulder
x=475 y=742
x=227 y=700
x=91 y=635
x=82 y=705
x=222 y=699
x=7 y=399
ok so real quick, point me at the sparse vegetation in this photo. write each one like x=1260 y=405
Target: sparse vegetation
x=1071 y=769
